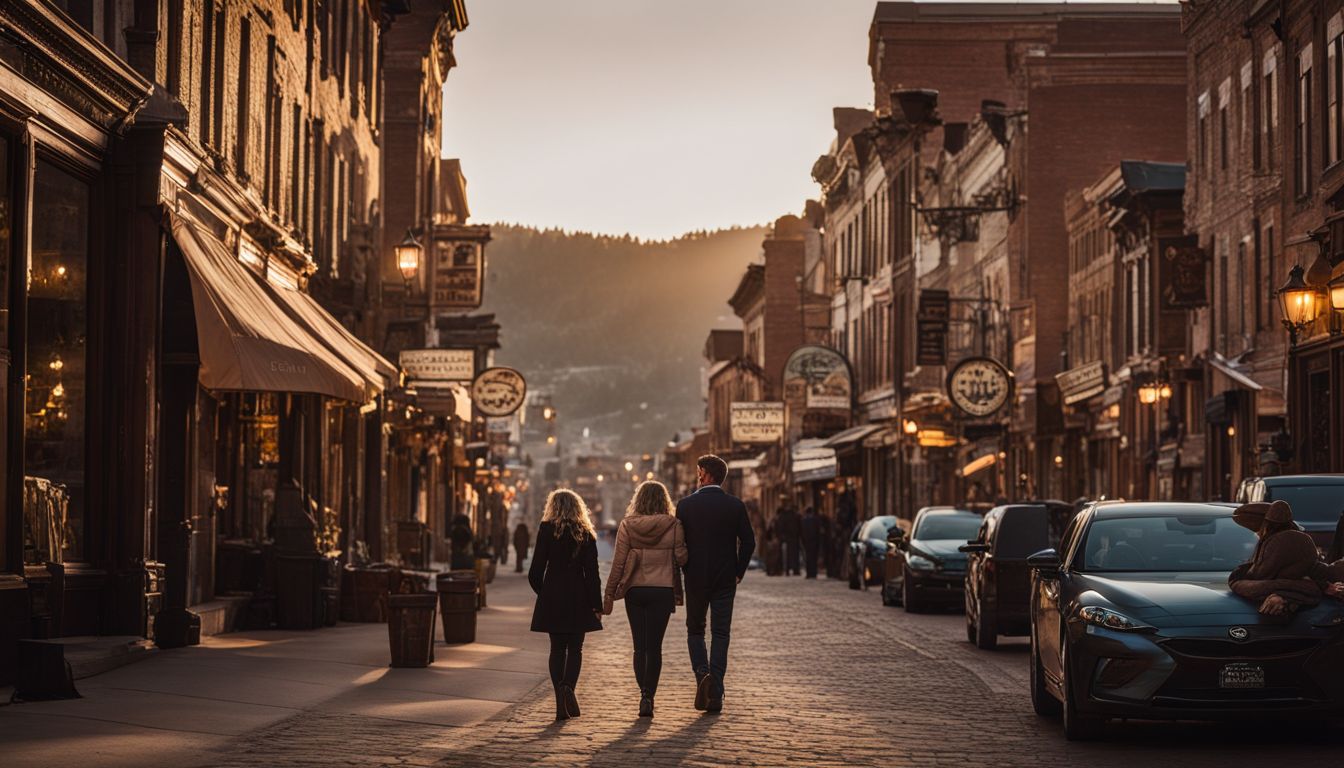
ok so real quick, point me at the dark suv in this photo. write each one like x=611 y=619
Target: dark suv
x=998 y=580
x=1317 y=502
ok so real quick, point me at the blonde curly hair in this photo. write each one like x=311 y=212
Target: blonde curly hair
x=650 y=498
x=567 y=511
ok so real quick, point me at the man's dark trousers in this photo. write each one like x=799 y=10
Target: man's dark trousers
x=718 y=604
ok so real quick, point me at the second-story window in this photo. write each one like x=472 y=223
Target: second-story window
x=1334 y=59
x=1203 y=158
x=1269 y=112
x=1224 y=134
x=244 y=95
x=1302 y=124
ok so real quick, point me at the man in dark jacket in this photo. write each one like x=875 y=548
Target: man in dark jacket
x=719 y=542
x=810 y=530
x=787 y=528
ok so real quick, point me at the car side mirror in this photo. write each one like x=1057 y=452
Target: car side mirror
x=973 y=546
x=1045 y=560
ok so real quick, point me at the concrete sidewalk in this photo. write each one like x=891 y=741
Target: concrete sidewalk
x=197 y=706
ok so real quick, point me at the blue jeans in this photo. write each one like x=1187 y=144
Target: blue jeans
x=718 y=604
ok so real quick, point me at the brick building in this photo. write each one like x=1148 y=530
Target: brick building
x=218 y=172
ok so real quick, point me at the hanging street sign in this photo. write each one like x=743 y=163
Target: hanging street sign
x=757 y=422
x=979 y=386
x=438 y=364
x=498 y=391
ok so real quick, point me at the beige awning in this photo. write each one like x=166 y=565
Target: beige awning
x=373 y=367
x=247 y=341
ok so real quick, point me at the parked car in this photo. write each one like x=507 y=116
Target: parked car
x=998 y=580
x=1131 y=617
x=924 y=568
x=1317 y=502
x=867 y=548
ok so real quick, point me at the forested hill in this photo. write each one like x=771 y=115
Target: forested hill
x=613 y=326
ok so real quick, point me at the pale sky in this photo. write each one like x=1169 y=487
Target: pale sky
x=652 y=117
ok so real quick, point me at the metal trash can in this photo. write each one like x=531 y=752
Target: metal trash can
x=482 y=578
x=457 y=606
x=410 y=629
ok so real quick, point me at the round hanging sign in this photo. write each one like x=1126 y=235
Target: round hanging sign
x=979 y=386
x=498 y=391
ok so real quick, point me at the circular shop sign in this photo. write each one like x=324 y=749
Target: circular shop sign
x=498 y=391
x=979 y=386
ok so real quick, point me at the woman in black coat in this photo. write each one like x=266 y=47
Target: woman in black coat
x=569 y=591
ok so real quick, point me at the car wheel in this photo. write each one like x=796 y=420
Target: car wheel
x=1077 y=726
x=986 y=629
x=1042 y=701
x=854 y=577
x=908 y=599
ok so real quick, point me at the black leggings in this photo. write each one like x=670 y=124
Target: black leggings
x=649 y=608
x=566 y=658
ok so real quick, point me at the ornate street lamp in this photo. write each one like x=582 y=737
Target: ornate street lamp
x=408 y=255
x=1336 y=287
x=1301 y=304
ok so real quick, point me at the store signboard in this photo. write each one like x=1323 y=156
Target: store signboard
x=1081 y=383
x=456 y=274
x=818 y=378
x=498 y=391
x=438 y=364
x=757 y=422
x=931 y=324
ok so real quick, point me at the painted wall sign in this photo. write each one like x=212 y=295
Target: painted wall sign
x=979 y=386
x=817 y=378
x=757 y=422
x=438 y=364
x=498 y=391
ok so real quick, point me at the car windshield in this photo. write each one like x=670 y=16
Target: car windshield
x=877 y=527
x=1166 y=543
x=961 y=526
x=1310 y=503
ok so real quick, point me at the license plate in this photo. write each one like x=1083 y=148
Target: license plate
x=1241 y=676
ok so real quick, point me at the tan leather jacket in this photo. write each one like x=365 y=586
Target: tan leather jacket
x=648 y=547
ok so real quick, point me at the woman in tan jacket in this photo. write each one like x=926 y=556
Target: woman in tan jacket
x=650 y=547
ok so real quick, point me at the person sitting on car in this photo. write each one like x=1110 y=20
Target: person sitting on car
x=1279 y=571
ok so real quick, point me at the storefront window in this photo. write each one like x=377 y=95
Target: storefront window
x=57 y=345
x=260 y=417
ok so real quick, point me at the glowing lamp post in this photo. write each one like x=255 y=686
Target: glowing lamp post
x=408 y=256
x=1301 y=304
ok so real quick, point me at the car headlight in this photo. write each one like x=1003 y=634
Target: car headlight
x=920 y=563
x=1105 y=617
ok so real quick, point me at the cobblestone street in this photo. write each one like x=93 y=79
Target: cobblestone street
x=819 y=675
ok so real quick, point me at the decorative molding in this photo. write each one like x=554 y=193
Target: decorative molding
x=73 y=65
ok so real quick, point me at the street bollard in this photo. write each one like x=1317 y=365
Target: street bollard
x=482 y=571
x=457 y=606
x=410 y=629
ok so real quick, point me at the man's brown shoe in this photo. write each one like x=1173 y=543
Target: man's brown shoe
x=702 y=692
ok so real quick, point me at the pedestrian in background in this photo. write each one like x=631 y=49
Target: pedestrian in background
x=569 y=591
x=788 y=528
x=719 y=542
x=522 y=539
x=650 y=548
x=809 y=529
x=460 y=538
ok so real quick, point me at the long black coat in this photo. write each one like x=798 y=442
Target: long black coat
x=719 y=538
x=564 y=576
